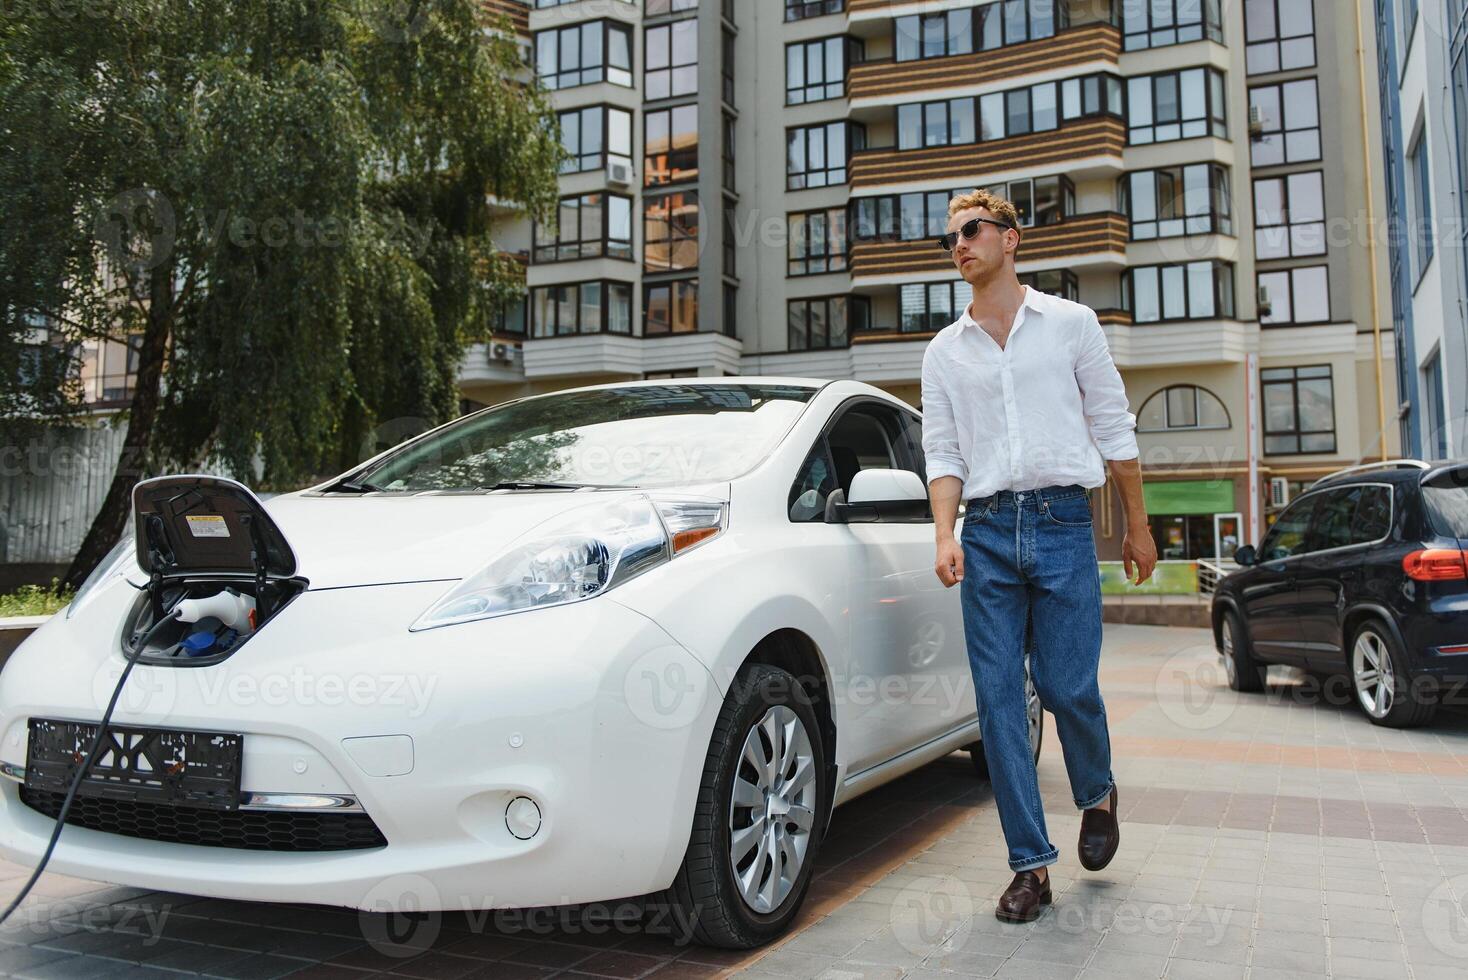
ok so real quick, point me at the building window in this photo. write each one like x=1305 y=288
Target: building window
x=801 y=9
x=1194 y=291
x=1158 y=23
x=925 y=307
x=1419 y=203
x=671 y=53
x=1299 y=410
x=670 y=236
x=670 y=307
x=1173 y=201
x=1294 y=296
x=909 y=217
x=1182 y=407
x=726 y=66
x=596 y=51
x=1289 y=216
x=933 y=35
x=670 y=145
x=825 y=322
x=1033 y=109
x=581 y=307
x=509 y=318
x=731 y=311
x=1176 y=105
x=543 y=4
x=596 y=136
x=1433 y=411
x=730 y=251
x=817 y=243
x=1289 y=118
x=728 y=151
x=1279 y=35
x=817 y=156
x=816 y=70
x=987 y=27
x=1056 y=282
x=656 y=8
x=589 y=225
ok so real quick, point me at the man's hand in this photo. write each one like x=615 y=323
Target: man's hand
x=1140 y=550
x=949 y=565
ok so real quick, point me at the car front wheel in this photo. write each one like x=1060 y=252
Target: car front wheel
x=1244 y=672
x=1383 y=688
x=760 y=815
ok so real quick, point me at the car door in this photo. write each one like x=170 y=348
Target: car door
x=1268 y=592
x=908 y=678
x=1322 y=573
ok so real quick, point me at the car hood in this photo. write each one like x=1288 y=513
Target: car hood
x=344 y=540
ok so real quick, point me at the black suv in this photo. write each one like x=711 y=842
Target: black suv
x=1363 y=575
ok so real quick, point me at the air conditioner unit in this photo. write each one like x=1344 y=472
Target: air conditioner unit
x=1265 y=307
x=1256 y=121
x=619 y=174
x=504 y=353
x=1279 y=491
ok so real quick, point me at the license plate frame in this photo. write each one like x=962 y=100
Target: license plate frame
x=138 y=763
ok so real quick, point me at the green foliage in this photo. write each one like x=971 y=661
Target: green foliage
x=33 y=600
x=292 y=194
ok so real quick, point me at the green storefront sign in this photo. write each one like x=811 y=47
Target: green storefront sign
x=1190 y=497
x=1168 y=578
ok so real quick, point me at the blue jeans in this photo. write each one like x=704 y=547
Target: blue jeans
x=1029 y=557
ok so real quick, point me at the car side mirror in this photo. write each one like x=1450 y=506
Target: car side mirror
x=898 y=496
x=1246 y=555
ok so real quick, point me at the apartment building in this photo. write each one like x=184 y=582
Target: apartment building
x=1423 y=60
x=756 y=186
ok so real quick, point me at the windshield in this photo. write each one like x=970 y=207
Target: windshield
x=646 y=436
x=1447 y=503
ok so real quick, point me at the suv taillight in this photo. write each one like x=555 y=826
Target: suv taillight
x=1436 y=565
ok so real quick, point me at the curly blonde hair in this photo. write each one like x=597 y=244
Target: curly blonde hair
x=1004 y=210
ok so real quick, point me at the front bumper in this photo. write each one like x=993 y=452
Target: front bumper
x=435 y=733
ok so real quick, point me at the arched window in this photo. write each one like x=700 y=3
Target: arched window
x=1182 y=407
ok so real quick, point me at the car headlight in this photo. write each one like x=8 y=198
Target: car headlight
x=113 y=563
x=579 y=555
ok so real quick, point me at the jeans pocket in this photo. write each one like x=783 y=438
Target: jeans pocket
x=1069 y=511
x=977 y=515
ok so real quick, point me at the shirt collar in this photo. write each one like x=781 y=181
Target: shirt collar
x=1032 y=303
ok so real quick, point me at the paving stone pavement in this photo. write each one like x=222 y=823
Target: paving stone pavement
x=1266 y=836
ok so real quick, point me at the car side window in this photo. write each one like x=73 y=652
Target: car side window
x=1287 y=536
x=815 y=483
x=1373 y=517
x=1331 y=527
x=912 y=426
x=863 y=438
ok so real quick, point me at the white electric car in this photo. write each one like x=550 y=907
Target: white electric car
x=628 y=641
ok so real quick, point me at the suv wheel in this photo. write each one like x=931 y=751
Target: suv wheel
x=1378 y=675
x=1244 y=672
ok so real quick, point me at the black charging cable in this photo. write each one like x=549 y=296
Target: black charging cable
x=86 y=765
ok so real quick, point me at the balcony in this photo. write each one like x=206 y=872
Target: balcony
x=877 y=82
x=1076 y=242
x=517 y=11
x=1082 y=146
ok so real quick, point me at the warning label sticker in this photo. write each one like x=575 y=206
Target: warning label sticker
x=207 y=525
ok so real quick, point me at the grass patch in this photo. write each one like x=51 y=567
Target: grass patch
x=33 y=600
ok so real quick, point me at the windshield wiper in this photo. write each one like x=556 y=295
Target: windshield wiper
x=532 y=485
x=357 y=486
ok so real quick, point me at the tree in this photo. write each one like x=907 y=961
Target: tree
x=282 y=204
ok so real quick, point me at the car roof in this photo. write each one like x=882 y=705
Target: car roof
x=1407 y=475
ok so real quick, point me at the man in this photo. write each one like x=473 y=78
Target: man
x=1021 y=404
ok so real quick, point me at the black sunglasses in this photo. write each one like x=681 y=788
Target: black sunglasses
x=968 y=229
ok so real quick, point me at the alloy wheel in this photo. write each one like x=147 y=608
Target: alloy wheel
x=772 y=810
x=1371 y=665
x=1230 y=666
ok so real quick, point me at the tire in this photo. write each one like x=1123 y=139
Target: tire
x=740 y=902
x=1244 y=672
x=1383 y=688
x=1036 y=714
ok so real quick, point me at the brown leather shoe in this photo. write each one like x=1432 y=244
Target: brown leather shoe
x=1100 y=836
x=1021 y=901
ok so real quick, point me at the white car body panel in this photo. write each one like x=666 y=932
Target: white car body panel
x=551 y=703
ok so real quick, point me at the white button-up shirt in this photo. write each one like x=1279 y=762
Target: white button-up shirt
x=1044 y=410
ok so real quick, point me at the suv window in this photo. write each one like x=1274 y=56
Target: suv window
x=1447 y=503
x=1373 y=515
x=1287 y=536
x=1331 y=527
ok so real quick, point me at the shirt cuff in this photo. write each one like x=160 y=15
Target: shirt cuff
x=939 y=468
x=1120 y=447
